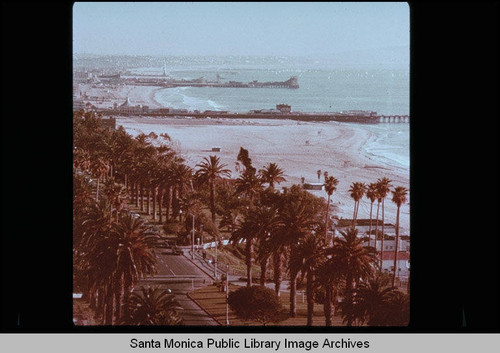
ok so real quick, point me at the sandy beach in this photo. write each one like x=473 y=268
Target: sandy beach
x=300 y=148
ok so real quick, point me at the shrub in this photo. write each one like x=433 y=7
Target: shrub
x=256 y=303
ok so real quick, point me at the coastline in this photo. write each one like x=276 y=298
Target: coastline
x=299 y=148
x=144 y=95
x=345 y=150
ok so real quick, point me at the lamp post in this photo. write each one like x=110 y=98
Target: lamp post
x=192 y=241
x=227 y=295
x=215 y=261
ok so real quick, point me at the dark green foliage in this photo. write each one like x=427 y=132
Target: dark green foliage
x=244 y=158
x=257 y=303
x=152 y=307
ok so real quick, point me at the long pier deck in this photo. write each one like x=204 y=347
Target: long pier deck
x=291 y=83
x=374 y=119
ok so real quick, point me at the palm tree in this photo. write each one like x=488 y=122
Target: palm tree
x=325 y=175
x=99 y=168
x=383 y=188
x=258 y=223
x=306 y=260
x=299 y=214
x=371 y=193
x=81 y=159
x=182 y=177
x=89 y=231
x=131 y=244
x=371 y=300
x=82 y=195
x=248 y=185
x=356 y=262
x=152 y=307
x=329 y=275
x=357 y=191
x=398 y=311
x=271 y=174
x=266 y=222
x=330 y=186
x=319 y=174
x=115 y=194
x=399 y=198
x=211 y=170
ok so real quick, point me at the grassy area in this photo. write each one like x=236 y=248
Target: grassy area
x=228 y=256
x=213 y=301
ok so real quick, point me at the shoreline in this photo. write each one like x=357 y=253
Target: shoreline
x=299 y=147
x=338 y=149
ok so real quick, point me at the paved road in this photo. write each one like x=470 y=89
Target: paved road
x=179 y=275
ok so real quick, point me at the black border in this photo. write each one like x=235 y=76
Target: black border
x=454 y=109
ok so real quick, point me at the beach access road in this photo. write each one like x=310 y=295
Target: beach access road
x=178 y=275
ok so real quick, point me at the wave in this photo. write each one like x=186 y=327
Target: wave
x=178 y=97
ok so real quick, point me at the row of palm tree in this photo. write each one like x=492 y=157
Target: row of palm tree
x=112 y=249
x=379 y=191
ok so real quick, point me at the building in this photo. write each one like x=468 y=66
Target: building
x=284 y=108
x=403 y=244
x=359 y=113
x=128 y=108
x=313 y=186
x=110 y=78
x=403 y=263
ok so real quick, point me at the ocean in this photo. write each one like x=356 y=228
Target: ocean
x=324 y=86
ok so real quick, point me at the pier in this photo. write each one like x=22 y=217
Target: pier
x=291 y=83
x=394 y=119
x=299 y=116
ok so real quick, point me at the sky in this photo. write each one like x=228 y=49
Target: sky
x=229 y=28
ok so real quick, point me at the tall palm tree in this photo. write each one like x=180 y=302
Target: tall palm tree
x=399 y=198
x=271 y=174
x=99 y=168
x=152 y=307
x=258 y=223
x=266 y=221
x=131 y=244
x=209 y=171
x=306 y=260
x=249 y=185
x=357 y=191
x=371 y=301
x=383 y=188
x=299 y=214
x=329 y=278
x=355 y=260
x=330 y=186
x=91 y=229
x=115 y=194
x=319 y=174
x=371 y=193
x=182 y=178
x=82 y=195
x=81 y=159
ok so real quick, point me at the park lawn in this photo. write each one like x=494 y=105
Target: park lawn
x=213 y=301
